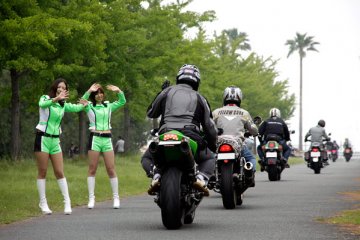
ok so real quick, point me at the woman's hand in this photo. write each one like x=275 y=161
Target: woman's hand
x=63 y=95
x=83 y=102
x=94 y=87
x=113 y=88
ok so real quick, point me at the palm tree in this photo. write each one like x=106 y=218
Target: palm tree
x=301 y=43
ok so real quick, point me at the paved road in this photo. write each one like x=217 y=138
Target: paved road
x=272 y=210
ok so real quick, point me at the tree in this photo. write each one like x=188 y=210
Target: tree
x=301 y=43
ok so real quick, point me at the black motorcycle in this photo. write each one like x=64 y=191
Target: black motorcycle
x=173 y=155
x=315 y=157
x=232 y=173
x=348 y=153
x=273 y=155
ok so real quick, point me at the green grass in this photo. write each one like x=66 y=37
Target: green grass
x=19 y=198
x=347 y=217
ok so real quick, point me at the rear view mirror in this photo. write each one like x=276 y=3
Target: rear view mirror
x=257 y=120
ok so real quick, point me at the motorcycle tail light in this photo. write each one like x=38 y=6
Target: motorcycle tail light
x=333 y=151
x=272 y=145
x=315 y=150
x=280 y=147
x=170 y=137
x=225 y=148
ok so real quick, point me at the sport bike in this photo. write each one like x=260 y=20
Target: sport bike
x=173 y=154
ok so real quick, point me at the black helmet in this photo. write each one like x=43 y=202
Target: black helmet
x=189 y=74
x=321 y=123
x=233 y=95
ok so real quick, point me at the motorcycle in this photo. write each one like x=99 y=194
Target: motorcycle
x=334 y=154
x=315 y=158
x=348 y=154
x=173 y=154
x=273 y=154
x=232 y=173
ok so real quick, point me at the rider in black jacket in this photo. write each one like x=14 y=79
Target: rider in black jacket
x=182 y=108
x=274 y=127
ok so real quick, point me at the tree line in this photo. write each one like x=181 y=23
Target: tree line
x=124 y=43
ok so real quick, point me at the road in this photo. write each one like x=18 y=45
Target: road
x=288 y=209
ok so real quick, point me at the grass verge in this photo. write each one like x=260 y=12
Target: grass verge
x=348 y=220
x=19 y=198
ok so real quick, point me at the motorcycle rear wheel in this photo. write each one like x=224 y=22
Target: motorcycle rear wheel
x=227 y=186
x=317 y=167
x=273 y=173
x=172 y=211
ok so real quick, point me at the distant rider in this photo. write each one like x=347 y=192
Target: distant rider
x=317 y=135
x=235 y=121
x=274 y=128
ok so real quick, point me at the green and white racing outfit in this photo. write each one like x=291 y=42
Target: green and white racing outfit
x=100 y=120
x=49 y=126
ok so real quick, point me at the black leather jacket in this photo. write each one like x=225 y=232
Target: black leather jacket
x=184 y=109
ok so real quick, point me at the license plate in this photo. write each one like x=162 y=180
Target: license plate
x=315 y=159
x=315 y=154
x=271 y=154
x=169 y=142
x=225 y=156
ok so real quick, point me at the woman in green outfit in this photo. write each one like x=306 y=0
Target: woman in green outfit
x=47 y=142
x=99 y=113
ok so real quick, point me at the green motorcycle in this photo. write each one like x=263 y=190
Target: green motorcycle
x=173 y=154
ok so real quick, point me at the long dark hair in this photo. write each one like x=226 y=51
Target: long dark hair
x=54 y=86
x=92 y=95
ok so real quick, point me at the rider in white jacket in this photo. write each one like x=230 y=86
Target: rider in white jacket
x=236 y=121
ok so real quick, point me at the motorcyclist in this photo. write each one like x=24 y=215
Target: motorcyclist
x=235 y=121
x=335 y=145
x=274 y=127
x=182 y=108
x=347 y=144
x=317 y=134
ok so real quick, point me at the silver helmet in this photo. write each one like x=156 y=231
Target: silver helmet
x=274 y=112
x=232 y=94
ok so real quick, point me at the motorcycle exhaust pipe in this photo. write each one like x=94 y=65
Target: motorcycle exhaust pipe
x=186 y=150
x=248 y=166
x=153 y=147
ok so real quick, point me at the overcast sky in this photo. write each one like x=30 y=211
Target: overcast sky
x=331 y=77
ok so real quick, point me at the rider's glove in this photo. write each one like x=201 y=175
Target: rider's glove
x=165 y=84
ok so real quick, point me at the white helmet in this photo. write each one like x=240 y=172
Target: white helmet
x=274 y=112
x=232 y=94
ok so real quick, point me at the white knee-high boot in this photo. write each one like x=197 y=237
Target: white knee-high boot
x=41 y=186
x=65 y=192
x=115 y=190
x=91 y=188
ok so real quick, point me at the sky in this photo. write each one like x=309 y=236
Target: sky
x=331 y=77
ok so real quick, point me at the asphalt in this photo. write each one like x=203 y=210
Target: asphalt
x=288 y=209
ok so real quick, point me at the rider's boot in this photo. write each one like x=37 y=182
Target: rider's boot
x=200 y=184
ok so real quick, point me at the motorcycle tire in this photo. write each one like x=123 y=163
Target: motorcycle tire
x=172 y=212
x=316 y=167
x=273 y=173
x=227 y=186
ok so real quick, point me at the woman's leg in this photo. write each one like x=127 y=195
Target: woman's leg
x=109 y=160
x=93 y=163
x=42 y=165
x=58 y=165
